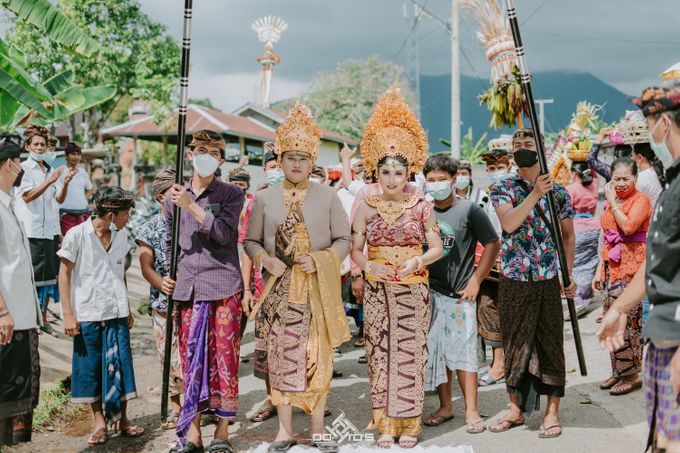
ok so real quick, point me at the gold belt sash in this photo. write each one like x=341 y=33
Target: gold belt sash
x=396 y=256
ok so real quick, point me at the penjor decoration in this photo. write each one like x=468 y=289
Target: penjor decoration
x=269 y=30
x=504 y=98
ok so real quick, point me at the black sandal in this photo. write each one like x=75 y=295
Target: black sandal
x=220 y=446
x=326 y=446
x=189 y=447
x=281 y=446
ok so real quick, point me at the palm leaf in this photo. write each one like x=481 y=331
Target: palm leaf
x=56 y=26
x=60 y=82
x=17 y=91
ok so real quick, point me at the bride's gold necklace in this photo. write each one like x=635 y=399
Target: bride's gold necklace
x=389 y=210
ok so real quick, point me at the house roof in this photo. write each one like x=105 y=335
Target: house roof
x=198 y=118
x=279 y=117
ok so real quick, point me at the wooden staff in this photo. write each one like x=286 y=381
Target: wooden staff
x=179 y=171
x=554 y=225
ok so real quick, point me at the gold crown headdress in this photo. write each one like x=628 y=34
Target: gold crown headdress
x=298 y=132
x=393 y=131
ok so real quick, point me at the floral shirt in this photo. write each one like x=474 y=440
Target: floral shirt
x=529 y=253
x=152 y=233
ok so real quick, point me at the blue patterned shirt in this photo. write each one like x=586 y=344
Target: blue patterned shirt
x=152 y=233
x=529 y=253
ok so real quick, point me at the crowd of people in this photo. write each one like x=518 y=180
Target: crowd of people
x=427 y=264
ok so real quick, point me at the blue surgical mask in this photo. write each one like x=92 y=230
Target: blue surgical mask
x=660 y=149
x=438 y=190
x=37 y=157
x=462 y=182
x=498 y=176
x=48 y=158
x=274 y=177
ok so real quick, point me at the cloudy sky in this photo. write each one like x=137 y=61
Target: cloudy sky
x=626 y=43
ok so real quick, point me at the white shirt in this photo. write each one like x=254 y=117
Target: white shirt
x=40 y=217
x=648 y=183
x=98 y=291
x=75 y=196
x=16 y=271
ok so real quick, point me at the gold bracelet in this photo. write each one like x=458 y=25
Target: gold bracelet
x=432 y=229
x=259 y=257
x=358 y=234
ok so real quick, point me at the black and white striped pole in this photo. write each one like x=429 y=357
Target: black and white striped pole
x=554 y=226
x=179 y=170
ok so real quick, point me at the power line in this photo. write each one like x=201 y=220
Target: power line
x=534 y=12
x=410 y=33
x=602 y=38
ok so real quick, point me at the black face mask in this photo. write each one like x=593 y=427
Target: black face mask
x=20 y=176
x=525 y=157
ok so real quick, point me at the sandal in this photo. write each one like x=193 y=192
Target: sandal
x=171 y=421
x=487 y=380
x=436 y=420
x=220 y=446
x=281 y=446
x=326 y=446
x=360 y=343
x=130 y=430
x=189 y=447
x=99 y=437
x=264 y=413
x=503 y=425
x=327 y=412
x=363 y=359
x=625 y=387
x=543 y=433
x=385 y=441
x=409 y=442
x=475 y=428
x=609 y=383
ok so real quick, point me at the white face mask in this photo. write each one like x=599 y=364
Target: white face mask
x=439 y=190
x=462 y=181
x=316 y=180
x=205 y=165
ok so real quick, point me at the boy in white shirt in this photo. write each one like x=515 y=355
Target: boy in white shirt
x=96 y=312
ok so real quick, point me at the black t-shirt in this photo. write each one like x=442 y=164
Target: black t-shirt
x=461 y=226
x=663 y=263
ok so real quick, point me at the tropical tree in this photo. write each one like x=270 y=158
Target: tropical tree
x=342 y=99
x=135 y=54
x=470 y=149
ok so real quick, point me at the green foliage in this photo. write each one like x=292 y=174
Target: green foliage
x=342 y=99
x=57 y=27
x=135 y=53
x=54 y=406
x=152 y=152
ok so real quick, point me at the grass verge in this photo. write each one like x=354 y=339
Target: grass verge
x=54 y=407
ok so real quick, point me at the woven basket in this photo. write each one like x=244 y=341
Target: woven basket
x=577 y=155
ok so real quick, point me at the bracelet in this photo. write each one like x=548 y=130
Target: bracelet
x=420 y=262
x=358 y=234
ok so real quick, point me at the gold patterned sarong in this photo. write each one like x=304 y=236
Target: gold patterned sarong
x=305 y=319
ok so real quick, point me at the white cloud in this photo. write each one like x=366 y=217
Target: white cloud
x=229 y=91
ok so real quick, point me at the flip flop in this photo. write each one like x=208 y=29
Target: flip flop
x=189 y=447
x=507 y=424
x=543 y=435
x=263 y=414
x=363 y=359
x=408 y=443
x=131 y=431
x=470 y=429
x=609 y=383
x=487 y=380
x=99 y=437
x=281 y=446
x=625 y=387
x=326 y=447
x=385 y=443
x=436 y=420
x=170 y=421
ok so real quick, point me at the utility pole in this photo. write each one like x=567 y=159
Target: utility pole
x=455 y=79
x=413 y=53
x=541 y=111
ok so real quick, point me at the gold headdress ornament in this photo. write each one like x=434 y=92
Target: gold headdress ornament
x=298 y=132
x=393 y=131
x=202 y=138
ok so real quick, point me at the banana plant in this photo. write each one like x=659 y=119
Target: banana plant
x=24 y=100
x=470 y=149
x=55 y=25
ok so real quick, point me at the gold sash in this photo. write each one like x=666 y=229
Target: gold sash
x=396 y=256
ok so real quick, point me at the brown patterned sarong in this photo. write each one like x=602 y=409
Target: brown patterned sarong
x=396 y=323
x=488 y=314
x=532 y=325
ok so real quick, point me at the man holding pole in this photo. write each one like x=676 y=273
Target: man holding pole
x=529 y=287
x=208 y=291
